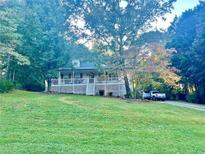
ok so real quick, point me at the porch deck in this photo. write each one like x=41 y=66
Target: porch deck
x=89 y=86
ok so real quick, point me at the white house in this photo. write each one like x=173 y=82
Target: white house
x=85 y=78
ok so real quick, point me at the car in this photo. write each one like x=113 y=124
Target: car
x=156 y=95
x=153 y=95
x=146 y=95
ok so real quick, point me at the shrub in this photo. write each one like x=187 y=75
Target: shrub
x=33 y=87
x=6 y=86
x=180 y=95
x=192 y=98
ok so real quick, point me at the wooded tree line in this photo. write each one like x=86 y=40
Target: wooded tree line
x=188 y=38
x=33 y=43
x=39 y=36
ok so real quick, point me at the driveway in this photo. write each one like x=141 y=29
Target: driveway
x=186 y=105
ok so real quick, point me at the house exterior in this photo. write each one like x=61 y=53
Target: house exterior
x=85 y=78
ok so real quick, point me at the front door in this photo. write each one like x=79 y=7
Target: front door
x=91 y=78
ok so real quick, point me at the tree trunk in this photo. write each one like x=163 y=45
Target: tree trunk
x=13 y=76
x=8 y=67
x=49 y=85
x=1 y=73
x=46 y=86
x=127 y=86
x=186 y=89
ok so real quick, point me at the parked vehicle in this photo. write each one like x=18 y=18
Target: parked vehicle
x=146 y=95
x=154 y=95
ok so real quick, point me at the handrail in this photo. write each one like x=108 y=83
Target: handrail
x=85 y=80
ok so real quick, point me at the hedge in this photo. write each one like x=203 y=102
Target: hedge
x=6 y=86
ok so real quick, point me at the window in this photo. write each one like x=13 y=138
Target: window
x=69 y=75
x=77 y=75
x=62 y=76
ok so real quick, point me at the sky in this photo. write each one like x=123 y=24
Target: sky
x=179 y=7
x=182 y=5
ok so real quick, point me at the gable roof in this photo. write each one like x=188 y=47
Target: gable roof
x=84 y=65
x=87 y=65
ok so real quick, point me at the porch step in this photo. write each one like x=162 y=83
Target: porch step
x=90 y=89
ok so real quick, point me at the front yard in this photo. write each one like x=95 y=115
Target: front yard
x=40 y=123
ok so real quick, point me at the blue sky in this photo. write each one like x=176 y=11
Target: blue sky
x=182 y=5
x=179 y=7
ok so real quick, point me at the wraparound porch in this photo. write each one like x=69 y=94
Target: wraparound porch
x=89 y=86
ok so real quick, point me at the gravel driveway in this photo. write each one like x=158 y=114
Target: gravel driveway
x=186 y=105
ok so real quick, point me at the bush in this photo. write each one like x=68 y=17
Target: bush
x=6 y=86
x=33 y=87
x=192 y=98
x=180 y=95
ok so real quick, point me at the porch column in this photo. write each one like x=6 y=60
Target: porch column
x=94 y=84
x=73 y=80
x=105 y=84
x=119 y=85
x=119 y=89
x=59 y=81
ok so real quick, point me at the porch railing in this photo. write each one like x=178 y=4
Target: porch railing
x=86 y=80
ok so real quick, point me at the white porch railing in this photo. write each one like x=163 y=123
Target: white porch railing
x=68 y=81
x=98 y=80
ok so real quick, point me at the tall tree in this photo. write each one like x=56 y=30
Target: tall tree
x=10 y=38
x=188 y=40
x=198 y=62
x=114 y=25
x=43 y=41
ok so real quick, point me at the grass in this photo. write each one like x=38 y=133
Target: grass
x=40 y=123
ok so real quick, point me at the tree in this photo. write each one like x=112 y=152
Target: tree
x=153 y=71
x=10 y=38
x=114 y=25
x=198 y=62
x=43 y=41
x=188 y=40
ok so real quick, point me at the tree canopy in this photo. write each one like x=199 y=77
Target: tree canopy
x=41 y=36
x=188 y=40
x=10 y=38
x=115 y=25
x=34 y=33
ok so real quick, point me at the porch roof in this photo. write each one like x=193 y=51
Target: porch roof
x=84 y=66
x=67 y=70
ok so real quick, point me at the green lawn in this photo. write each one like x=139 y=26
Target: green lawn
x=40 y=123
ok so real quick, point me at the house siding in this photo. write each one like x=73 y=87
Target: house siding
x=109 y=89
